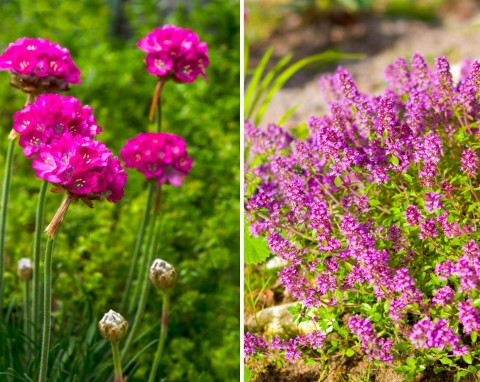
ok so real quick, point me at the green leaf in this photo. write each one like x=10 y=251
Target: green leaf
x=288 y=114
x=374 y=202
x=408 y=177
x=445 y=361
x=467 y=358
x=460 y=374
x=349 y=352
x=254 y=81
x=325 y=57
x=246 y=374
x=438 y=370
x=338 y=181
x=256 y=249
x=411 y=362
x=394 y=160
x=472 y=369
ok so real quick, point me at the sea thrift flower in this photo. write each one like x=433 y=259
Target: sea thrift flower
x=176 y=53
x=159 y=156
x=50 y=117
x=39 y=66
x=83 y=168
x=113 y=327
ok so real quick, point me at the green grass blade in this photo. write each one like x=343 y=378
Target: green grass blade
x=267 y=81
x=325 y=57
x=288 y=114
x=257 y=75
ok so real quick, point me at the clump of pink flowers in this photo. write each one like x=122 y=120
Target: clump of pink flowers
x=375 y=213
x=175 y=53
x=49 y=118
x=159 y=156
x=83 y=168
x=39 y=66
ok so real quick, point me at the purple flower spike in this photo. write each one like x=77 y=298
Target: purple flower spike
x=39 y=66
x=50 y=117
x=85 y=169
x=161 y=156
x=176 y=53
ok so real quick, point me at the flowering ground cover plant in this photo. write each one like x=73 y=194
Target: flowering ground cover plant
x=375 y=212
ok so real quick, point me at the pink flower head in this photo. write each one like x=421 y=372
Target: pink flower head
x=84 y=168
x=161 y=156
x=49 y=118
x=39 y=66
x=174 y=52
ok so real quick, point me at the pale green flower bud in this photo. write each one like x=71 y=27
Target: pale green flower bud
x=163 y=275
x=25 y=269
x=113 y=327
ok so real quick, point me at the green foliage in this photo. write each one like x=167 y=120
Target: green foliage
x=199 y=220
x=255 y=249
x=263 y=84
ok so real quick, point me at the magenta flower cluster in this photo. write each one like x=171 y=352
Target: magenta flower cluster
x=176 y=53
x=373 y=211
x=84 y=168
x=159 y=156
x=39 y=65
x=56 y=132
x=49 y=118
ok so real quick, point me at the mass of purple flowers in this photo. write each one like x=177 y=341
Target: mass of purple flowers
x=375 y=212
x=159 y=156
x=175 y=53
x=38 y=65
x=49 y=118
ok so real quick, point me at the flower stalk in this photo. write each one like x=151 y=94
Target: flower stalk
x=47 y=308
x=113 y=327
x=163 y=336
x=144 y=286
x=138 y=246
x=37 y=241
x=7 y=175
x=117 y=363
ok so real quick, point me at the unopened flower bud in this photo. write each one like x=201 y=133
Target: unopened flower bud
x=25 y=269
x=113 y=327
x=163 y=275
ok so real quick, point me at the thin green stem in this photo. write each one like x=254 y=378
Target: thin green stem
x=27 y=324
x=117 y=363
x=47 y=297
x=159 y=106
x=136 y=251
x=145 y=285
x=37 y=241
x=163 y=336
x=3 y=214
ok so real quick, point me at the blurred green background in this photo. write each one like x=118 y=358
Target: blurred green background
x=200 y=226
